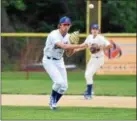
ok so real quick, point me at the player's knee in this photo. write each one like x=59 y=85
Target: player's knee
x=63 y=88
x=66 y=87
x=59 y=83
x=88 y=76
x=56 y=86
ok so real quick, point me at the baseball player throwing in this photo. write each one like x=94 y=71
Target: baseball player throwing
x=58 y=41
x=97 y=44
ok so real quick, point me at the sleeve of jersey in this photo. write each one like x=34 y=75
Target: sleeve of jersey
x=54 y=39
x=106 y=42
x=87 y=40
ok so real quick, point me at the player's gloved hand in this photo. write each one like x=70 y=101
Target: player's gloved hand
x=94 y=48
x=69 y=52
x=114 y=52
x=74 y=37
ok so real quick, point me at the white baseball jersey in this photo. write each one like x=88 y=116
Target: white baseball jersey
x=50 y=49
x=100 y=40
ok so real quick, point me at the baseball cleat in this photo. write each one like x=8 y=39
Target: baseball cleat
x=53 y=107
x=87 y=96
x=52 y=103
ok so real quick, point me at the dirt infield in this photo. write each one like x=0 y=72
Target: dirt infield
x=67 y=100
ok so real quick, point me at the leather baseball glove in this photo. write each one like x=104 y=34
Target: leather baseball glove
x=74 y=37
x=94 y=48
x=114 y=52
x=69 y=52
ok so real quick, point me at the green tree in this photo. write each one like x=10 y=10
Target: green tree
x=11 y=47
x=18 y=4
x=119 y=16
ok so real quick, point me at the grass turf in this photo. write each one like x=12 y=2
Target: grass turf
x=40 y=83
x=75 y=113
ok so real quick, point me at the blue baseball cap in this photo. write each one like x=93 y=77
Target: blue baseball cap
x=94 y=26
x=65 y=20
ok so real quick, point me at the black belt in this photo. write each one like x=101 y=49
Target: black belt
x=96 y=56
x=52 y=58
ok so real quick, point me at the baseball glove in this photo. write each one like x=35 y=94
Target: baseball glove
x=114 y=52
x=74 y=37
x=69 y=52
x=94 y=48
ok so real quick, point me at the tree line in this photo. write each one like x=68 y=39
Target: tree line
x=43 y=16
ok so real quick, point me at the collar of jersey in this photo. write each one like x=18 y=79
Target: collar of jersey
x=61 y=34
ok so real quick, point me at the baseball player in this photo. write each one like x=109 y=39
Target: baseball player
x=57 y=41
x=97 y=44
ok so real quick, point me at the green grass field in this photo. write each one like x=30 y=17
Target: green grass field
x=40 y=83
x=66 y=113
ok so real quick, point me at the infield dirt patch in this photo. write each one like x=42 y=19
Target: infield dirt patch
x=67 y=100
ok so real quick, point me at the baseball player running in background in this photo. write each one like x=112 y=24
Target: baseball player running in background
x=57 y=41
x=97 y=44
